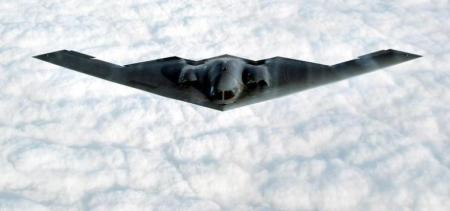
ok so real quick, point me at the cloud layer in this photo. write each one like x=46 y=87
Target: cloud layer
x=377 y=142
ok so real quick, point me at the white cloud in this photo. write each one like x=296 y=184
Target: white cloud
x=376 y=142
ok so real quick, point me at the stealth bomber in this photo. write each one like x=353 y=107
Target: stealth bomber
x=225 y=82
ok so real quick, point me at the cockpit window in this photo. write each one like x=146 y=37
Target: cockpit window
x=224 y=95
x=228 y=95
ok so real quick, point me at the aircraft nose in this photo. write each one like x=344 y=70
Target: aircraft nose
x=226 y=90
x=226 y=82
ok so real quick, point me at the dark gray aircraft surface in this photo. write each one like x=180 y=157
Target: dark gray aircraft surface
x=225 y=82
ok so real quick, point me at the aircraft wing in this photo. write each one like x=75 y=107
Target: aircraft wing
x=289 y=75
x=147 y=76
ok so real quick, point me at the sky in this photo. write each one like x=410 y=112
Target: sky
x=69 y=141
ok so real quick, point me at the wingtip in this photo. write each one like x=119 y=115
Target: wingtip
x=406 y=55
x=411 y=55
x=41 y=56
x=45 y=56
x=415 y=56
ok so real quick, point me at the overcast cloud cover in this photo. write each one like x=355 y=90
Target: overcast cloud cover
x=69 y=141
